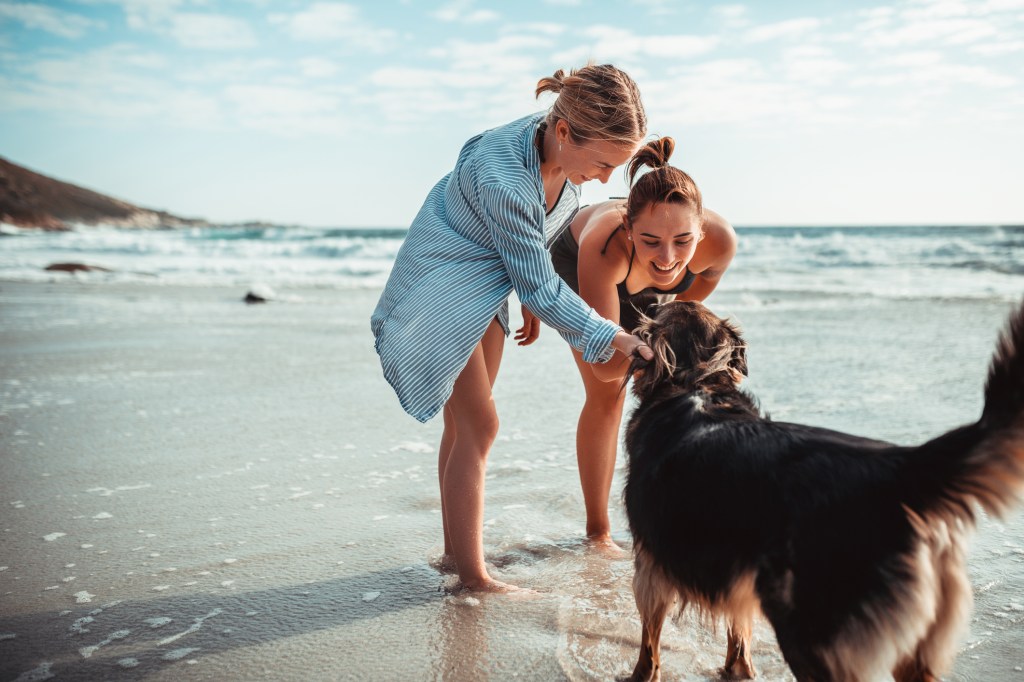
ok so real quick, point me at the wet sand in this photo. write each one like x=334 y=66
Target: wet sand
x=194 y=489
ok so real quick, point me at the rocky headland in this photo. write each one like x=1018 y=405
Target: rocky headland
x=32 y=200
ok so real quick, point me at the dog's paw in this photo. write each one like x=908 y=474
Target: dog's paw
x=646 y=675
x=740 y=669
x=646 y=670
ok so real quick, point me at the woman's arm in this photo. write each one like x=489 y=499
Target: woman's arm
x=599 y=270
x=516 y=226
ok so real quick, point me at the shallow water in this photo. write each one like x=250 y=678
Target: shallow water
x=197 y=489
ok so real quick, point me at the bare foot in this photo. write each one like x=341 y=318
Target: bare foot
x=606 y=546
x=492 y=586
x=444 y=563
x=487 y=585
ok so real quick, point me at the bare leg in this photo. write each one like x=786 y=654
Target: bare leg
x=470 y=412
x=447 y=440
x=597 y=442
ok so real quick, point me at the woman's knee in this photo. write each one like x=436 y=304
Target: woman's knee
x=479 y=426
x=604 y=396
x=488 y=425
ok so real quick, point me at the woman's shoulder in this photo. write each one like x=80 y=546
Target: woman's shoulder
x=718 y=232
x=506 y=154
x=515 y=138
x=598 y=231
x=718 y=246
x=598 y=222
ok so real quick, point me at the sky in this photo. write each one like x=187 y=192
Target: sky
x=320 y=113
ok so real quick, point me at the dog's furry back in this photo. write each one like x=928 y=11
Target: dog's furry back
x=828 y=525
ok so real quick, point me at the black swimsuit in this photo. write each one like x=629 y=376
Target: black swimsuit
x=565 y=256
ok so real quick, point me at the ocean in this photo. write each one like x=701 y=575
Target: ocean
x=973 y=262
x=192 y=488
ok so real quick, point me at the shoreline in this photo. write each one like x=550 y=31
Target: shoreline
x=236 y=492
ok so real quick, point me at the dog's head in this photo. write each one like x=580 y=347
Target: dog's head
x=693 y=348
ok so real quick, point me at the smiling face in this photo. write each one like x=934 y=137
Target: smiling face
x=586 y=160
x=665 y=237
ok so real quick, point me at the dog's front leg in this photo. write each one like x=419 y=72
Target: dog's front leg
x=654 y=596
x=648 y=666
x=738 y=663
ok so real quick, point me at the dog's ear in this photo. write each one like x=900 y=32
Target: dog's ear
x=663 y=366
x=738 y=361
x=647 y=374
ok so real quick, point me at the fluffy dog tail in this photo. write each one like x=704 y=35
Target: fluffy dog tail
x=981 y=463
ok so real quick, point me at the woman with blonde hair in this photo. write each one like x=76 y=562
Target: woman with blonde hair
x=622 y=257
x=482 y=232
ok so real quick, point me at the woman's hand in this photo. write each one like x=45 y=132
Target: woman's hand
x=631 y=345
x=530 y=330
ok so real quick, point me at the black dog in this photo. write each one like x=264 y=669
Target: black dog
x=852 y=548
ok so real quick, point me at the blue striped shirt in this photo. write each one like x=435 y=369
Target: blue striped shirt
x=481 y=232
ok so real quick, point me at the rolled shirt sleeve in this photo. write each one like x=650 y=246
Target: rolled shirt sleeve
x=516 y=227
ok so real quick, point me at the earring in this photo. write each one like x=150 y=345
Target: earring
x=559 y=146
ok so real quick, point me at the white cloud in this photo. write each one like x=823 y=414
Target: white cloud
x=731 y=15
x=317 y=67
x=286 y=103
x=657 y=7
x=945 y=9
x=144 y=14
x=609 y=43
x=211 y=31
x=790 y=28
x=118 y=83
x=412 y=78
x=118 y=67
x=336 y=22
x=997 y=49
x=498 y=62
x=939 y=31
x=565 y=3
x=191 y=29
x=812 y=64
x=722 y=92
x=930 y=75
x=230 y=71
x=535 y=28
x=394 y=106
x=909 y=60
x=462 y=11
x=992 y=6
x=43 y=18
x=482 y=82
x=935 y=9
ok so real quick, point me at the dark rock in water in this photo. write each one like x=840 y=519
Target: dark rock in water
x=259 y=293
x=75 y=267
x=254 y=298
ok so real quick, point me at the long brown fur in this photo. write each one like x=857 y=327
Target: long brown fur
x=854 y=549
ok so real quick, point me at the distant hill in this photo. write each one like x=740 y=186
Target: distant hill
x=29 y=199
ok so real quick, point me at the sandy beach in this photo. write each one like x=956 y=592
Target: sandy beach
x=196 y=489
